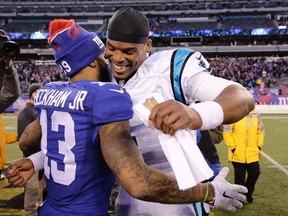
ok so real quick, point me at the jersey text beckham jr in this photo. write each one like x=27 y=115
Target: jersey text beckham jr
x=71 y=115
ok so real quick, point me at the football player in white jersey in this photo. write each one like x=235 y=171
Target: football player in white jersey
x=181 y=74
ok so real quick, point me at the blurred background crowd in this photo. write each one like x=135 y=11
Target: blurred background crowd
x=245 y=41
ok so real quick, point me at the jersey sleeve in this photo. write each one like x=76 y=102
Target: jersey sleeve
x=196 y=63
x=111 y=104
x=191 y=78
x=185 y=63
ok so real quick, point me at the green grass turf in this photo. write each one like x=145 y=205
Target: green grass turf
x=272 y=186
x=271 y=189
x=13 y=153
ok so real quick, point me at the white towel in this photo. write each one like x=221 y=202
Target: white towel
x=181 y=150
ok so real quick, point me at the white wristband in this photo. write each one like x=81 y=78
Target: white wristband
x=211 y=114
x=38 y=160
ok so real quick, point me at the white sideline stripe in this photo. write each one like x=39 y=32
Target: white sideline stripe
x=10 y=128
x=9 y=117
x=282 y=168
x=274 y=117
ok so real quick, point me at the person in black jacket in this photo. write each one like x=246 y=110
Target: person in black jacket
x=33 y=188
x=9 y=82
x=26 y=116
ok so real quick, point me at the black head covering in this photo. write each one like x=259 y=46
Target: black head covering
x=128 y=25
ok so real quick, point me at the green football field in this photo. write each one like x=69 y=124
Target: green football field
x=270 y=196
x=272 y=186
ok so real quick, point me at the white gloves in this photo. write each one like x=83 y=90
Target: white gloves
x=228 y=196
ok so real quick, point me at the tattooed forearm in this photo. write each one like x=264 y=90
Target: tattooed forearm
x=118 y=148
x=30 y=136
x=139 y=180
x=167 y=191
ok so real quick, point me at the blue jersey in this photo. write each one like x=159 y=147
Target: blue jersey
x=71 y=114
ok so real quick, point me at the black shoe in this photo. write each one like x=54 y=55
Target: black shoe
x=249 y=198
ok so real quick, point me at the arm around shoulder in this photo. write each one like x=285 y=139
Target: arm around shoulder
x=139 y=180
x=149 y=184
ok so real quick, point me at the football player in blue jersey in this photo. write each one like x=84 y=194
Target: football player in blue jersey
x=86 y=141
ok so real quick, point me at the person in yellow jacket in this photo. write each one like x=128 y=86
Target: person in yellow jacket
x=5 y=138
x=244 y=140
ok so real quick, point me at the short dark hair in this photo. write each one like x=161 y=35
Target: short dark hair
x=32 y=88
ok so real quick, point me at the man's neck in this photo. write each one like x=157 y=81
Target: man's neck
x=85 y=74
x=122 y=82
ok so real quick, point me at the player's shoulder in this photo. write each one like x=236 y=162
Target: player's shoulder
x=107 y=87
x=109 y=90
x=162 y=54
x=91 y=85
x=169 y=55
x=187 y=52
x=102 y=85
x=192 y=59
x=170 y=52
x=156 y=64
x=58 y=84
x=115 y=102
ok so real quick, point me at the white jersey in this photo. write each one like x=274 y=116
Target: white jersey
x=154 y=76
x=176 y=76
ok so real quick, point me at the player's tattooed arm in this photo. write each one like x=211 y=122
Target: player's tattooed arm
x=139 y=180
x=30 y=136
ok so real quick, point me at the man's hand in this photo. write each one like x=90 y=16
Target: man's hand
x=228 y=196
x=19 y=172
x=170 y=116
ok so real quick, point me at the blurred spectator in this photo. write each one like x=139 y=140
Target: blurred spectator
x=33 y=188
x=30 y=73
x=217 y=134
x=9 y=84
x=5 y=138
x=244 y=140
x=248 y=71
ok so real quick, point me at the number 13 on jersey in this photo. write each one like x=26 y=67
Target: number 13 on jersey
x=65 y=175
